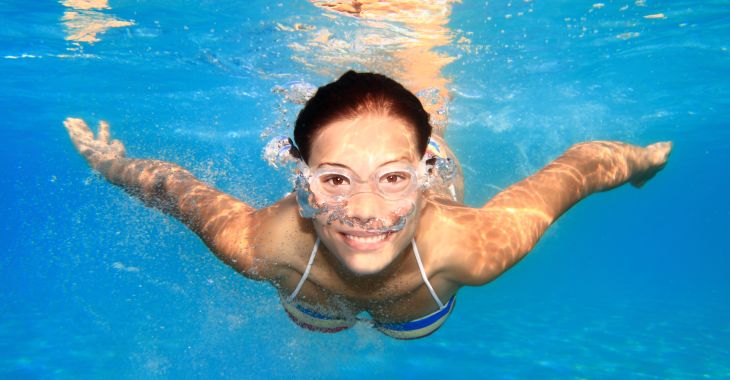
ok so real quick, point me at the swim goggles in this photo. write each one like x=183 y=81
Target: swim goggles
x=333 y=184
x=326 y=193
x=336 y=184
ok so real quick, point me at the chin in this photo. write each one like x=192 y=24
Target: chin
x=367 y=268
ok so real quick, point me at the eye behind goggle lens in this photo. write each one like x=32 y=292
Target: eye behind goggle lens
x=396 y=183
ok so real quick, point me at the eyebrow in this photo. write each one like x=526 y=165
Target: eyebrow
x=402 y=158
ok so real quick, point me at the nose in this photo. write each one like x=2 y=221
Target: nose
x=365 y=207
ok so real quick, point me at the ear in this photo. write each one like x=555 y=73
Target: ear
x=294 y=151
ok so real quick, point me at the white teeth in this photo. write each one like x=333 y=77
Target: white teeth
x=367 y=239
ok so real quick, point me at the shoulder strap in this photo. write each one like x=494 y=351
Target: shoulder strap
x=306 y=272
x=423 y=274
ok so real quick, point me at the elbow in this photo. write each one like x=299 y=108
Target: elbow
x=230 y=239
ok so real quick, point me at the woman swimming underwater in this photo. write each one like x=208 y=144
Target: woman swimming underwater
x=376 y=221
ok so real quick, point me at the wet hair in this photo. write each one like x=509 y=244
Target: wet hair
x=354 y=94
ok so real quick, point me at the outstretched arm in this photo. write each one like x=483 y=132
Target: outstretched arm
x=583 y=169
x=512 y=222
x=222 y=221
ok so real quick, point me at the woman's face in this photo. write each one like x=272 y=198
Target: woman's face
x=366 y=146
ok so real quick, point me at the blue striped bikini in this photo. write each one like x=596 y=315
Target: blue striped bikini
x=414 y=329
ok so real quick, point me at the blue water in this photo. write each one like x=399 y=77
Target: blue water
x=628 y=284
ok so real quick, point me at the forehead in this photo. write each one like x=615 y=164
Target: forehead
x=364 y=142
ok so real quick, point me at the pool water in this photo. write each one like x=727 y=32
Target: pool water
x=628 y=284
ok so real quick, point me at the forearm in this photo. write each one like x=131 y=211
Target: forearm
x=159 y=184
x=174 y=190
x=583 y=169
x=219 y=219
x=508 y=226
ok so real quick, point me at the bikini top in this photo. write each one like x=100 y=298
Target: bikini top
x=417 y=328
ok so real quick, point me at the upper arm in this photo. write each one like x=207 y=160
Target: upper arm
x=227 y=227
x=259 y=244
x=235 y=232
x=223 y=222
x=487 y=242
x=546 y=194
x=508 y=227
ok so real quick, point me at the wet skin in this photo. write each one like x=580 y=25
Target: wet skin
x=459 y=245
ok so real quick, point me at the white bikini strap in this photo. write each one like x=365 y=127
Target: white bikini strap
x=306 y=272
x=423 y=274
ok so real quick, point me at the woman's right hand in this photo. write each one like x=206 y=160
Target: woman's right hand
x=94 y=149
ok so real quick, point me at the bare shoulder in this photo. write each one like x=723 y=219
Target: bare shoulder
x=468 y=246
x=266 y=243
x=280 y=224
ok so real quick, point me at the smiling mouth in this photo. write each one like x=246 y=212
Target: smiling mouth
x=366 y=241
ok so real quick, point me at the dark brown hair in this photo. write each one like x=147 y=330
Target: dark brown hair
x=354 y=94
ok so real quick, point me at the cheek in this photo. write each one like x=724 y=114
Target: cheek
x=320 y=223
x=413 y=220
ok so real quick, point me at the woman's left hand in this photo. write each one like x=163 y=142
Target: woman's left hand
x=652 y=159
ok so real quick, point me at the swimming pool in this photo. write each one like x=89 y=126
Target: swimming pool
x=628 y=284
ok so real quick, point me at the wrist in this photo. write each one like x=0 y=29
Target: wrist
x=604 y=165
x=104 y=165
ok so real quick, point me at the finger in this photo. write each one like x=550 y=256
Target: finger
x=104 y=131
x=77 y=128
